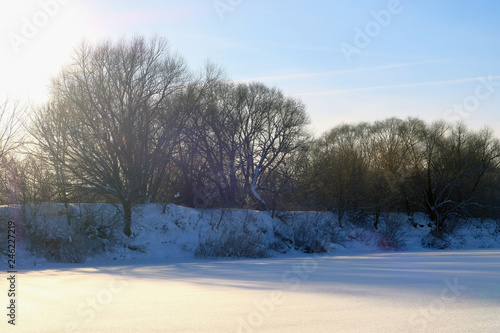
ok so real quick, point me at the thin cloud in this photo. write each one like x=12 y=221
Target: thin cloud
x=399 y=86
x=332 y=73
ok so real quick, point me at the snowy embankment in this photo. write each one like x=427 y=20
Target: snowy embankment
x=170 y=231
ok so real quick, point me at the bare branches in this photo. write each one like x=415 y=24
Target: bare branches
x=243 y=133
x=437 y=168
x=11 y=113
x=113 y=119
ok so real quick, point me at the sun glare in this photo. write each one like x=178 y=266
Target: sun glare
x=38 y=39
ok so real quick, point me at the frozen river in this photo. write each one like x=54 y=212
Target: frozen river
x=451 y=291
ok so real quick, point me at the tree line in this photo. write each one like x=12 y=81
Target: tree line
x=127 y=122
x=444 y=170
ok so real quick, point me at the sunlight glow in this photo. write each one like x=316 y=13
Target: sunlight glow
x=38 y=40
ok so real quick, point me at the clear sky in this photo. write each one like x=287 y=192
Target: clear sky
x=348 y=61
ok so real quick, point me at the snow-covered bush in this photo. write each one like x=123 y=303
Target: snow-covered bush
x=312 y=232
x=496 y=229
x=236 y=233
x=51 y=235
x=434 y=240
x=455 y=223
x=361 y=219
x=393 y=233
x=361 y=236
x=231 y=244
x=308 y=238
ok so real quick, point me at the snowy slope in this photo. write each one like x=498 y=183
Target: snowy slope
x=162 y=232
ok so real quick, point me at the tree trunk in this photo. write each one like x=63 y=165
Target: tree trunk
x=340 y=217
x=127 y=216
x=377 y=218
x=253 y=188
x=66 y=211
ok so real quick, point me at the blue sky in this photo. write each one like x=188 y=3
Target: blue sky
x=348 y=61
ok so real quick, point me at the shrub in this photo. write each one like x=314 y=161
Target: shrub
x=454 y=224
x=235 y=233
x=313 y=232
x=436 y=240
x=308 y=238
x=51 y=236
x=232 y=244
x=392 y=234
x=361 y=219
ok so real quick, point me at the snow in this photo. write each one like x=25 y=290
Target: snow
x=428 y=291
x=151 y=282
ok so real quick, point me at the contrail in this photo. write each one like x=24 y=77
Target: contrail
x=398 y=86
x=346 y=71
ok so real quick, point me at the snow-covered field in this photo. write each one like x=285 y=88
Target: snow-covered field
x=429 y=291
x=151 y=282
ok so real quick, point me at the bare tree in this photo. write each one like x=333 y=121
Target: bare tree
x=120 y=120
x=11 y=113
x=11 y=138
x=272 y=128
x=244 y=134
x=213 y=137
x=461 y=161
x=438 y=169
x=342 y=169
x=388 y=161
x=49 y=130
x=34 y=179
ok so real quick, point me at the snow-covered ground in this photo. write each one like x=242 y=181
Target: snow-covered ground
x=151 y=282
x=428 y=291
